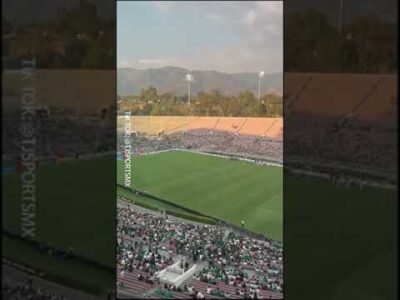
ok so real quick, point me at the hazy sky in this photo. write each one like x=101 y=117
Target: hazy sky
x=223 y=36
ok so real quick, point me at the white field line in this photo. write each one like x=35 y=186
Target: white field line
x=357 y=181
x=294 y=170
x=221 y=155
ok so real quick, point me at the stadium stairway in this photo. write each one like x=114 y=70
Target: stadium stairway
x=132 y=285
x=229 y=290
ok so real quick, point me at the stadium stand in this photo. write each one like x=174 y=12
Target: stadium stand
x=229 y=263
x=153 y=125
x=258 y=137
x=335 y=95
x=355 y=118
x=202 y=123
x=62 y=134
x=26 y=289
x=256 y=126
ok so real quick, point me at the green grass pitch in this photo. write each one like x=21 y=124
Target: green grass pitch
x=75 y=203
x=62 y=215
x=230 y=190
x=354 y=243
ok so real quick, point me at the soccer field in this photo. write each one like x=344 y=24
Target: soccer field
x=353 y=243
x=75 y=201
x=230 y=190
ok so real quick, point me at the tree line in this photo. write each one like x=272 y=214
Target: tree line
x=77 y=38
x=364 y=44
x=213 y=103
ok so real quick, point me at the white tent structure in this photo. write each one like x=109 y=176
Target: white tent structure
x=175 y=275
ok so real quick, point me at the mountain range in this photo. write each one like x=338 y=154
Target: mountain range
x=130 y=81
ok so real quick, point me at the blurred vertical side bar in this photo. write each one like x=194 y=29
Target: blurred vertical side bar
x=58 y=174
x=340 y=149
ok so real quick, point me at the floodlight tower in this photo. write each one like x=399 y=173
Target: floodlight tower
x=189 y=79
x=260 y=76
x=340 y=21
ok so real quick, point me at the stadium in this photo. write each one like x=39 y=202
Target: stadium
x=349 y=173
x=46 y=266
x=225 y=175
x=211 y=153
x=340 y=160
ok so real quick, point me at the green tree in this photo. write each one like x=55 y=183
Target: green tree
x=149 y=94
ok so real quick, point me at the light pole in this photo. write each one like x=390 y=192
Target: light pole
x=260 y=76
x=340 y=22
x=189 y=79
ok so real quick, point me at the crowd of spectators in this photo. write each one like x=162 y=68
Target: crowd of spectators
x=26 y=289
x=218 y=142
x=342 y=140
x=60 y=133
x=149 y=242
